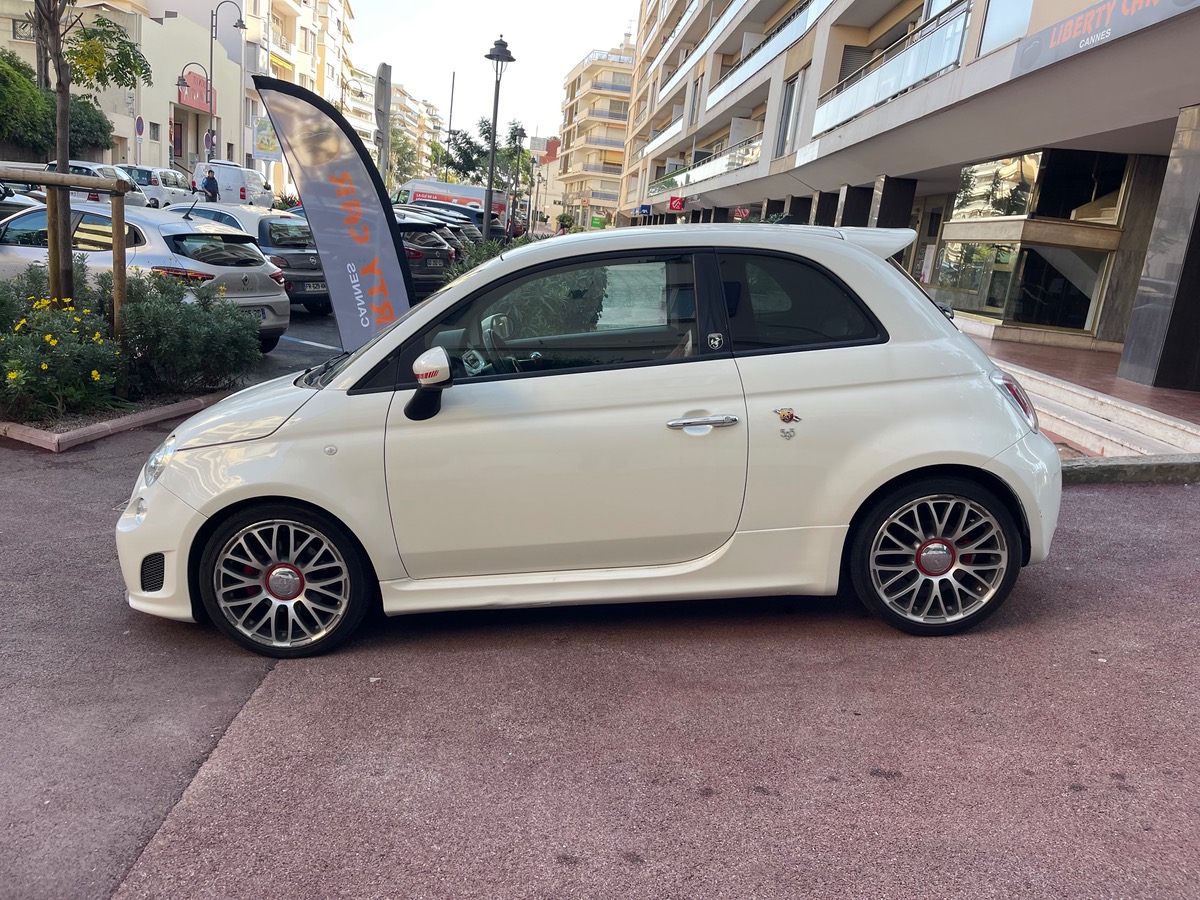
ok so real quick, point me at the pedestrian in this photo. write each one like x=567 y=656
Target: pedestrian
x=209 y=185
x=562 y=229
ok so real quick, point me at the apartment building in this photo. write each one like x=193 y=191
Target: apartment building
x=595 y=116
x=1045 y=150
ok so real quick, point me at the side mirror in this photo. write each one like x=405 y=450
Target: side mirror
x=947 y=310
x=432 y=371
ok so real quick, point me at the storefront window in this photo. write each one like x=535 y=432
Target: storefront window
x=977 y=275
x=1081 y=185
x=999 y=187
x=1058 y=286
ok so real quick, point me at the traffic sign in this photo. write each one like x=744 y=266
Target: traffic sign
x=584 y=202
x=140 y=126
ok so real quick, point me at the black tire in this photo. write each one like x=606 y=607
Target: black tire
x=267 y=344
x=319 y=307
x=935 y=557
x=257 y=581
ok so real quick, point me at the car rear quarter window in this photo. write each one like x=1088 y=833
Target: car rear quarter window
x=218 y=249
x=94 y=234
x=777 y=302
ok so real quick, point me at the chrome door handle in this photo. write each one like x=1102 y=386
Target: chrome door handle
x=714 y=421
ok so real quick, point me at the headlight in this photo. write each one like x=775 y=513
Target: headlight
x=158 y=460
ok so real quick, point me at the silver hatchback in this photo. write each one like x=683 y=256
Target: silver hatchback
x=199 y=252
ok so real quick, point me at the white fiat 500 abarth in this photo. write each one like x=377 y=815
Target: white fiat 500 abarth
x=656 y=413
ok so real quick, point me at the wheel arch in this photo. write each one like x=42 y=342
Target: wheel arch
x=200 y=541
x=983 y=478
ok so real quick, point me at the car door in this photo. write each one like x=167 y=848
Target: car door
x=591 y=426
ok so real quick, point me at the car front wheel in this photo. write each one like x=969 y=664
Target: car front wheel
x=936 y=557
x=284 y=581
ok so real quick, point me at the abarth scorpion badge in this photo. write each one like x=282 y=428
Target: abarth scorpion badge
x=787 y=415
x=716 y=340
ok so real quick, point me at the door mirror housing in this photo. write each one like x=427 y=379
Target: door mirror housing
x=433 y=374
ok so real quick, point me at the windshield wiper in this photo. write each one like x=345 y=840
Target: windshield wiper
x=312 y=375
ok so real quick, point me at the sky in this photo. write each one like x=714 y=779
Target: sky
x=426 y=42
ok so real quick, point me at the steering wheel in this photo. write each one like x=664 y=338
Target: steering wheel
x=498 y=352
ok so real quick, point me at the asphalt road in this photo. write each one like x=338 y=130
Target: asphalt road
x=761 y=748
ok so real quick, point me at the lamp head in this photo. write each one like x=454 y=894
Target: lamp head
x=181 y=83
x=240 y=24
x=500 y=56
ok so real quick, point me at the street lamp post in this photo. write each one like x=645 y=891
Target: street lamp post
x=183 y=85
x=240 y=25
x=500 y=58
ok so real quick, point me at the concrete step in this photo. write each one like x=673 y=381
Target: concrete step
x=1102 y=424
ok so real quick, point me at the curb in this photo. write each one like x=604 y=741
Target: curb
x=56 y=442
x=1182 y=468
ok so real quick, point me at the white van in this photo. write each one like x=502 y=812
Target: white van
x=236 y=184
x=162 y=187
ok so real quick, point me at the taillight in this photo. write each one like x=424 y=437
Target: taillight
x=413 y=254
x=277 y=277
x=185 y=274
x=93 y=196
x=1011 y=388
x=451 y=254
x=278 y=261
x=242 y=193
x=154 y=180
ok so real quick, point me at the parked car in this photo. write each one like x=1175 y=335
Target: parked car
x=475 y=215
x=429 y=256
x=134 y=197
x=454 y=232
x=671 y=412
x=287 y=241
x=445 y=230
x=235 y=183
x=199 y=251
x=12 y=202
x=162 y=187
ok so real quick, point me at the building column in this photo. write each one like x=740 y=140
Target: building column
x=892 y=202
x=824 y=208
x=1160 y=345
x=853 y=207
x=799 y=209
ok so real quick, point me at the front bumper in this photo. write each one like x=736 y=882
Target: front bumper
x=154 y=535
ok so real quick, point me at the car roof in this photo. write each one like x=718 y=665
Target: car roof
x=161 y=219
x=240 y=211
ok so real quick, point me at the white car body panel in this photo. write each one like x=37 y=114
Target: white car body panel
x=626 y=509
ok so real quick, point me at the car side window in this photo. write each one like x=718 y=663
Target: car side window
x=600 y=313
x=27 y=231
x=94 y=234
x=778 y=301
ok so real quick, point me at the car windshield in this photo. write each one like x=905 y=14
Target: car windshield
x=218 y=249
x=285 y=233
x=141 y=176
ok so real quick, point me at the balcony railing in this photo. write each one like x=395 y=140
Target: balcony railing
x=740 y=155
x=780 y=38
x=610 y=57
x=278 y=40
x=605 y=168
x=608 y=86
x=702 y=48
x=609 y=114
x=932 y=49
x=604 y=142
x=670 y=38
x=659 y=139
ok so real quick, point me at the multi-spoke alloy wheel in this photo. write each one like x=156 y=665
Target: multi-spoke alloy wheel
x=936 y=557
x=283 y=581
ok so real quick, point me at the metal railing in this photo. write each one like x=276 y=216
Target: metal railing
x=603 y=168
x=715 y=30
x=782 y=36
x=603 y=141
x=609 y=114
x=659 y=138
x=931 y=50
x=742 y=154
x=670 y=38
x=609 y=86
x=278 y=40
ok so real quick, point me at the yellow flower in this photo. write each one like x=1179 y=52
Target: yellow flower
x=44 y=367
x=86 y=311
x=77 y=319
x=54 y=343
x=48 y=338
x=12 y=376
x=95 y=375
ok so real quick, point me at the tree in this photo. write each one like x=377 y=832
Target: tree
x=404 y=164
x=27 y=120
x=467 y=158
x=99 y=55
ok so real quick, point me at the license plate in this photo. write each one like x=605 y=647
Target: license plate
x=259 y=312
x=314 y=285
x=434 y=263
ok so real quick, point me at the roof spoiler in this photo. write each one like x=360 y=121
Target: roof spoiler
x=883 y=242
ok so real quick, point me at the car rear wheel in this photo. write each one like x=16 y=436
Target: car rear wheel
x=936 y=557
x=267 y=344
x=284 y=581
x=153 y=204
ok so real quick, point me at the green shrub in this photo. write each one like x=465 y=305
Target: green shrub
x=57 y=358
x=175 y=346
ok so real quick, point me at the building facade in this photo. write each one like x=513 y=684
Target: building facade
x=1044 y=150
x=595 y=117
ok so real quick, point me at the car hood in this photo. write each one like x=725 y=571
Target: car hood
x=248 y=415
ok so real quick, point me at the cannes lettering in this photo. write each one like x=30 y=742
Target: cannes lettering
x=1095 y=25
x=371 y=314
